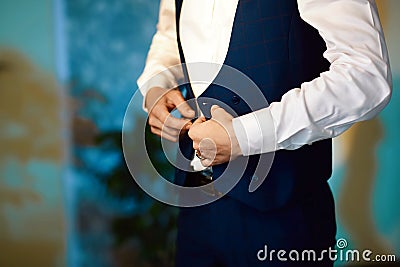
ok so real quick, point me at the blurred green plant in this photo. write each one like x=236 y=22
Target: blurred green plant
x=147 y=234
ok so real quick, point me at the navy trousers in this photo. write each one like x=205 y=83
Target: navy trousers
x=230 y=233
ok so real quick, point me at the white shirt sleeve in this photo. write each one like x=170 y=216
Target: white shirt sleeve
x=357 y=86
x=163 y=53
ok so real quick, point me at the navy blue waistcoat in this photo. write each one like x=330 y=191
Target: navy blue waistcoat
x=272 y=45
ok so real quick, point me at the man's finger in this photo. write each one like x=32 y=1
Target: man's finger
x=163 y=134
x=181 y=105
x=172 y=138
x=175 y=123
x=206 y=162
x=199 y=120
x=220 y=115
x=162 y=113
x=170 y=131
x=208 y=154
x=214 y=110
x=193 y=131
x=154 y=122
x=195 y=145
x=157 y=124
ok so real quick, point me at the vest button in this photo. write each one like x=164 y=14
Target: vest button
x=235 y=100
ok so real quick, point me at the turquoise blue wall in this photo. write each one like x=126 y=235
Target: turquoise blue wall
x=28 y=25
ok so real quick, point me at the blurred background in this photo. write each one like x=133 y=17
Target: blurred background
x=67 y=71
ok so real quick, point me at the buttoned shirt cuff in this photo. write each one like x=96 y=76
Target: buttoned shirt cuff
x=255 y=132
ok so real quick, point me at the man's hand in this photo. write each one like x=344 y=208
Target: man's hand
x=160 y=102
x=215 y=140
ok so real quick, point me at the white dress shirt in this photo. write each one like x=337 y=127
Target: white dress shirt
x=356 y=88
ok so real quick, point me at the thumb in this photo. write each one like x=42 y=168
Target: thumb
x=215 y=110
x=182 y=106
x=220 y=115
